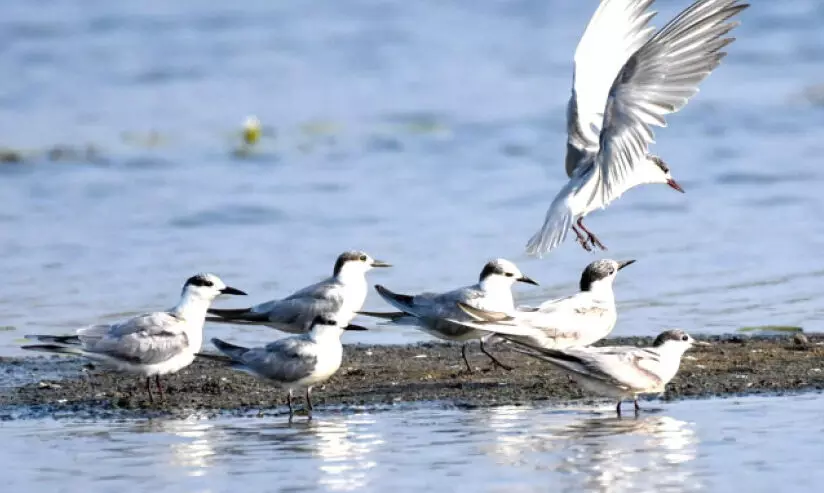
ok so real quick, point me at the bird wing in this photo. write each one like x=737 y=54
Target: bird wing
x=616 y=30
x=657 y=80
x=285 y=360
x=293 y=313
x=624 y=366
x=146 y=339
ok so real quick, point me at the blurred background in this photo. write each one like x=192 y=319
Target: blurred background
x=430 y=134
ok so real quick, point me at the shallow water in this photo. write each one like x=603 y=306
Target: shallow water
x=746 y=444
x=430 y=134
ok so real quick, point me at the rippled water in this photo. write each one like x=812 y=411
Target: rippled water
x=430 y=134
x=752 y=444
x=427 y=133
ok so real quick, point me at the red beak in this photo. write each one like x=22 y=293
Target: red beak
x=674 y=184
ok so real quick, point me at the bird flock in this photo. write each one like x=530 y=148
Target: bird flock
x=627 y=77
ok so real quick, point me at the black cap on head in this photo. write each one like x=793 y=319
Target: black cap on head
x=352 y=255
x=596 y=271
x=199 y=280
x=670 y=335
x=660 y=163
x=490 y=268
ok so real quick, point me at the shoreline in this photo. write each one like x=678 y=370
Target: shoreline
x=380 y=377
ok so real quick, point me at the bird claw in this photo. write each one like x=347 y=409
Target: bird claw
x=595 y=242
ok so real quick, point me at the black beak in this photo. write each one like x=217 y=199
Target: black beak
x=624 y=263
x=528 y=280
x=380 y=263
x=231 y=290
x=354 y=327
x=674 y=185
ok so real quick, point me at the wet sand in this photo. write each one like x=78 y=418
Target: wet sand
x=377 y=377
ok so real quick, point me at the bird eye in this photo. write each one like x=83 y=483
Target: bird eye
x=509 y=274
x=363 y=258
x=685 y=337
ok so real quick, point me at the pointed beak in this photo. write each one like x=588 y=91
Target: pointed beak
x=355 y=327
x=701 y=343
x=624 y=263
x=674 y=185
x=380 y=263
x=231 y=290
x=528 y=280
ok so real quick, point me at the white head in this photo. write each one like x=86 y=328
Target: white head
x=502 y=273
x=601 y=274
x=207 y=287
x=355 y=263
x=322 y=326
x=674 y=341
x=655 y=170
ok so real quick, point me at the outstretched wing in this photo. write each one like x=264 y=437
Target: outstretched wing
x=658 y=80
x=616 y=30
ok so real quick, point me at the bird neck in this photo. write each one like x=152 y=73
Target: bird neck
x=670 y=359
x=499 y=290
x=350 y=276
x=326 y=334
x=602 y=289
x=192 y=308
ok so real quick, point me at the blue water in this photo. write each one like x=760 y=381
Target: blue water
x=753 y=444
x=430 y=134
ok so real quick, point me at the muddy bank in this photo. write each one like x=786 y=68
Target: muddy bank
x=374 y=377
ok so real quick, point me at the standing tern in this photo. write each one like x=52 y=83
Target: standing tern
x=293 y=363
x=336 y=298
x=578 y=320
x=620 y=372
x=149 y=345
x=627 y=79
x=438 y=314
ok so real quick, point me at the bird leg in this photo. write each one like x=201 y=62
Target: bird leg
x=289 y=402
x=591 y=237
x=149 y=389
x=637 y=407
x=466 y=361
x=494 y=359
x=618 y=409
x=309 y=403
x=159 y=388
x=581 y=239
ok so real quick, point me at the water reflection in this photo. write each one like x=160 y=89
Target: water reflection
x=597 y=453
x=339 y=449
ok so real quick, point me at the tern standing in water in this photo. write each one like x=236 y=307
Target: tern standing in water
x=149 y=345
x=438 y=314
x=626 y=79
x=620 y=372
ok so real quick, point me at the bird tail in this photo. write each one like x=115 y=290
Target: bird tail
x=554 y=230
x=215 y=357
x=230 y=350
x=392 y=316
x=72 y=340
x=54 y=348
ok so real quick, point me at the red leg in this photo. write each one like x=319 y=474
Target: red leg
x=581 y=239
x=592 y=238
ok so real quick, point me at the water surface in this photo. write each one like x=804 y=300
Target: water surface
x=747 y=444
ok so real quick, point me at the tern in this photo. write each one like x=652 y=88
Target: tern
x=148 y=345
x=438 y=314
x=292 y=363
x=626 y=79
x=336 y=298
x=620 y=372
x=578 y=320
